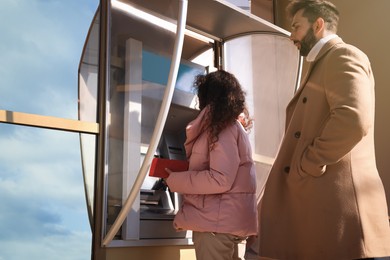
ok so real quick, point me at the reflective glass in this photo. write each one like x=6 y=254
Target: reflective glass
x=88 y=89
x=141 y=50
x=267 y=68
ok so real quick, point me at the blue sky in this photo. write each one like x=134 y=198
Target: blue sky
x=42 y=211
x=40 y=47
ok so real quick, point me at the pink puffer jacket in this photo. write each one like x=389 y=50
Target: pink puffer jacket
x=219 y=189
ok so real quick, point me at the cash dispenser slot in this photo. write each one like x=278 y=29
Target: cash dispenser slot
x=157 y=211
x=156 y=204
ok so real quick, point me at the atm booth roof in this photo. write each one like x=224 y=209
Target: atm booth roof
x=216 y=19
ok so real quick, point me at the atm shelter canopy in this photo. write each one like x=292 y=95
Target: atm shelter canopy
x=124 y=77
x=219 y=20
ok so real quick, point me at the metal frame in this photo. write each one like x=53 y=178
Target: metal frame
x=49 y=122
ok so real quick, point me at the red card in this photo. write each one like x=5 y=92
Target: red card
x=157 y=168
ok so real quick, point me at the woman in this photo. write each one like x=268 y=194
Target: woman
x=219 y=201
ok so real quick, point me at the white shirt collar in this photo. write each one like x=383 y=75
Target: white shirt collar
x=318 y=46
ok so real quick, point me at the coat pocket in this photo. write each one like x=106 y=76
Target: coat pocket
x=304 y=166
x=298 y=159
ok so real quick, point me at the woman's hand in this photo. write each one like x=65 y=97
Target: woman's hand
x=168 y=171
x=165 y=179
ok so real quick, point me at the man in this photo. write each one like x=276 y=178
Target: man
x=324 y=198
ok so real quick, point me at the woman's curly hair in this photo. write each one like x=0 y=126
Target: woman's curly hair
x=222 y=92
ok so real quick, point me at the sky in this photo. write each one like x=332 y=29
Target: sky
x=43 y=211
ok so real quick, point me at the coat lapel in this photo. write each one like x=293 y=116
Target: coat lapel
x=323 y=51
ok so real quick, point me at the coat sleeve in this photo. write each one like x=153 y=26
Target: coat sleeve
x=349 y=90
x=220 y=175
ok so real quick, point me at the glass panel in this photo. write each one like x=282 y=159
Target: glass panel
x=141 y=50
x=88 y=86
x=267 y=67
x=43 y=213
x=88 y=152
x=88 y=74
x=206 y=59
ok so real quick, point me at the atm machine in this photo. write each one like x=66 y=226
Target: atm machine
x=134 y=106
x=136 y=78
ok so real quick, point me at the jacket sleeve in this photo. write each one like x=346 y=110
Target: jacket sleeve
x=219 y=177
x=349 y=90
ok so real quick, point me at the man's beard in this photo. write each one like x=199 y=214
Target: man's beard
x=307 y=43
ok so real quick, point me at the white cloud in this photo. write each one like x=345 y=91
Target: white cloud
x=49 y=247
x=42 y=192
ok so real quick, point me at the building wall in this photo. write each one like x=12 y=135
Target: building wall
x=364 y=24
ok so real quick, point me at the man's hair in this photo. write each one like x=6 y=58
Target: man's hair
x=313 y=9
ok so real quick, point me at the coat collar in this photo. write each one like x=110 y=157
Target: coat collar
x=325 y=49
x=318 y=46
x=329 y=45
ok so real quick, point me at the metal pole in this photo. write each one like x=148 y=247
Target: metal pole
x=97 y=226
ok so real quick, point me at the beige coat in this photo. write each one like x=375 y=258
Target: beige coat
x=324 y=198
